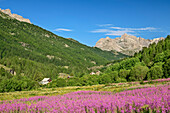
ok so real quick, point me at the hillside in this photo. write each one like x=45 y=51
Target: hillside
x=150 y=63
x=126 y=44
x=34 y=52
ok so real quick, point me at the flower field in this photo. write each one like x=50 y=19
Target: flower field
x=153 y=99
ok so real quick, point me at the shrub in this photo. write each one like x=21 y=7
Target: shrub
x=155 y=72
x=138 y=73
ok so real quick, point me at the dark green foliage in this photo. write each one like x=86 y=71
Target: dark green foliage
x=159 y=57
x=114 y=76
x=17 y=84
x=129 y=63
x=114 y=67
x=89 y=80
x=124 y=73
x=2 y=72
x=60 y=82
x=166 y=68
x=145 y=58
x=74 y=81
x=138 y=73
x=155 y=72
x=105 y=79
x=124 y=64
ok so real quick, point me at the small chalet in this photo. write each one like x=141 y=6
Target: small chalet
x=45 y=81
x=97 y=73
x=92 y=73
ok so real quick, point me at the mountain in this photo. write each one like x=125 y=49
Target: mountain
x=126 y=44
x=36 y=53
x=18 y=17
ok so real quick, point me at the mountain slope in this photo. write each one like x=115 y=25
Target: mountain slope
x=36 y=52
x=126 y=44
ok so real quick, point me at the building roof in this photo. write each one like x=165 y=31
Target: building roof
x=46 y=79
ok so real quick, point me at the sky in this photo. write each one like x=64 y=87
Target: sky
x=89 y=20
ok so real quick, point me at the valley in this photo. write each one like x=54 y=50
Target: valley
x=49 y=71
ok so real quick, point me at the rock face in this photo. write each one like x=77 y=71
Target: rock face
x=126 y=44
x=18 y=17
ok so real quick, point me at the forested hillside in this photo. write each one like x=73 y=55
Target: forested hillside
x=36 y=53
x=150 y=63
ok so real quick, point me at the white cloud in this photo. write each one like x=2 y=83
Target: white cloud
x=101 y=31
x=62 y=29
x=135 y=29
x=146 y=28
x=118 y=31
x=104 y=25
x=117 y=28
x=112 y=32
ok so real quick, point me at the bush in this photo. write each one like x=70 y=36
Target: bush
x=155 y=73
x=123 y=73
x=89 y=80
x=74 y=82
x=138 y=73
x=166 y=67
x=114 y=76
x=104 y=79
x=60 y=82
x=129 y=63
x=15 y=84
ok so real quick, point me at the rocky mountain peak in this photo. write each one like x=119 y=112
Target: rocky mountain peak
x=6 y=11
x=156 y=40
x=125 y=35
x=126 y=44
x=107 y=38
x=18 y=17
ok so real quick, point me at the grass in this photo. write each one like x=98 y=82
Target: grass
x=116 y=87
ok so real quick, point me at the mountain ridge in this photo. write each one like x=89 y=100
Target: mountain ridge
x=126 y=44
x=16 y=16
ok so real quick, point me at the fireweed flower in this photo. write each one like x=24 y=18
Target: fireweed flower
x=152 y=99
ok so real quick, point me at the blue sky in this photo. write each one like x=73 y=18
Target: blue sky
x=89 y=20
